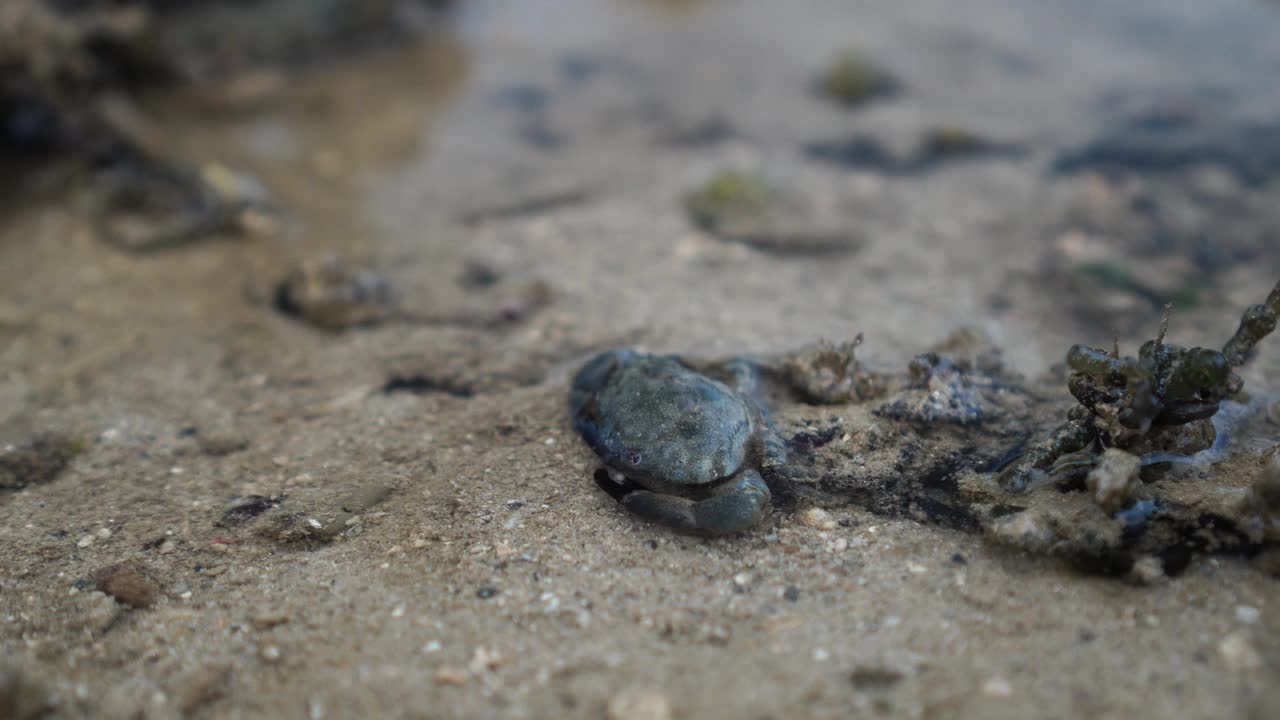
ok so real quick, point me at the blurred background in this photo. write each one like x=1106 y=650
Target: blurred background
x=1050 y=171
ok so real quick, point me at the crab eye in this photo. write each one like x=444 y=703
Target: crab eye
x=633 y=458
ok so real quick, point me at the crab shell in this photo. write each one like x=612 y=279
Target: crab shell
x=660 y=423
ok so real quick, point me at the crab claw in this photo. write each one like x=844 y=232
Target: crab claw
x=734 y=506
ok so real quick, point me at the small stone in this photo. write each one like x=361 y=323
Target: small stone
x=1028 y=530
x=742 y=581
x=269 y=619
x=503 y=551
x=1148 y=570
x=1238 y=653
x=270 y=653
x=791 y=594
x=451 y=676
x=220 y=443
x=817 y=518
x=997 y=687
x=872 y=677
x=639 y=704
x=167 y=547
x=202 y=687
x=86 y=541
x=102 y=533
x=485 y=593
x=96 y=612
x=1114 y=481
x=1247 y=615
x=916 y=568
x=484 y=659
x=123 y=582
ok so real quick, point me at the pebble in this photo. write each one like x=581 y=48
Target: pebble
x=742 y=580
x=1238 y=653
x=269 y=619
x=96 y=612
x=484 y=659
x=1148 y=570
x=873 y=677
x=816 y=517
x=200 y=688
x=997 y=687
x=270 y=653
x=124 y=583
x=86 y=541
x=639 y=704
x=1115 y=479
x=1247 y=615
x=916 y=568
x=218 y=444
x=451 y=676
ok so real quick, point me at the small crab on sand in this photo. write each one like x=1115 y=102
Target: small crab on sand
x=680 y=448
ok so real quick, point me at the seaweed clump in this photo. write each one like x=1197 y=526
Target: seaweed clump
x=854 y=80
x=749 y=210
x=728 y=196
x=1158 y=402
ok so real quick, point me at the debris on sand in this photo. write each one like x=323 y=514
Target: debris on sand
x=829 y=374
x=127 y=585
x=34 y=458
x=330 y=294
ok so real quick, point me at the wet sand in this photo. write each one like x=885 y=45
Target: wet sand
x=496 y=580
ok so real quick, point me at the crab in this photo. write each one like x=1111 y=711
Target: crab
x=680 y=448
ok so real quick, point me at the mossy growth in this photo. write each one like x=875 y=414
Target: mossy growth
x=854 y=79
x=727 y=196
